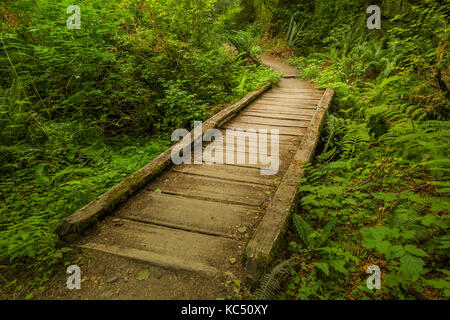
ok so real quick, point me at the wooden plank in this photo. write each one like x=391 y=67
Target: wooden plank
x=282 y=110
x=271 y=121
x=210 y=189
x=287 y=100
x=252 y=159
x=277 y=115
x=249 y=145
x=296 y=96
x=281 y=107
x=282 y=140
x=282 y=130
x=229 y=172
x=295 y=91
x=202 y=216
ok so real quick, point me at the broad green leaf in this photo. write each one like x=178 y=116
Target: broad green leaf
x=143 y=274
x=408 y=234
x=322 y=266
x=411 y=266
x=446 y=272
x=396 y=251
x=338 y=265
x=415 y=251
x=432 y=220
x=242 y=229
x=383 y=246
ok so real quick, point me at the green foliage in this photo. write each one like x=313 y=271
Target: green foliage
x=382 y=161
x=379 y=221
x=312 y=239
x=293 y=32
x=35 y=198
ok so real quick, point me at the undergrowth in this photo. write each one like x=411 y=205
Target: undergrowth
x=377 y=193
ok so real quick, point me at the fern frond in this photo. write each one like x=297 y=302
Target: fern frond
x=305 y=232
x=269 y=284
x=356 y=137
x=355 y=248
x=303 y=229
x=329 y=226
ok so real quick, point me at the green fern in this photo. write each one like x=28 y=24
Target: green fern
x=303 y=229
x=357 y=136
x=416 y=139
x=293 y=32
x=270 y=284
x=334 y=130
x=311 y=238
x=355 y=248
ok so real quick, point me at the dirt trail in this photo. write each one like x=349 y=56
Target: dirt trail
x=183 y=235
x=280 y=66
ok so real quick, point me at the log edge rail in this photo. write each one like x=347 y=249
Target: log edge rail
x=266 y=241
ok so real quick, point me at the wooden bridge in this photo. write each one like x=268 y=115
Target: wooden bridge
x=205 y=217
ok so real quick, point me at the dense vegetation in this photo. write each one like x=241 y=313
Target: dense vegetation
x=377 y=193
x=81 y=109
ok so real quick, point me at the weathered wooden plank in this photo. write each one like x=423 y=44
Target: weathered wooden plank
x=282 y=140
x=253 y=160
x=287 y=101
x=295 y=91
x=282 y=130
x=278 y=115
x=269 y=109
x=205 y=188
x=271 y=121
x=290 y=96
x=283 y=106
x=189 y=214
x=229 y=172
x=248 y=145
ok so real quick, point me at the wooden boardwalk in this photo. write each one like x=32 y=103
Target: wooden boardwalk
x=196 y=217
